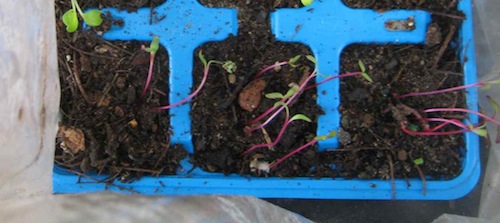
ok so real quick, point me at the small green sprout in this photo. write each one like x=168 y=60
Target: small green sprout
x=300 y=117
x=152 y=49
x=229 y=66
x=479 y=130
x=418 y=161
x=70 y=18
x=306 y=2
x=363 y=71
x=276 y=95
x=327 y=136
x=312 y=59
x=293 y=61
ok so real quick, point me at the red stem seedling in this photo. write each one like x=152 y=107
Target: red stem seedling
x=288 y=121
x=477 y=128
x=229 y=66
x=310 y=143
x=297 y=93
x=152 y=49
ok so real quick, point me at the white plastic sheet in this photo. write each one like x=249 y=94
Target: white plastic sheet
x=29 y=101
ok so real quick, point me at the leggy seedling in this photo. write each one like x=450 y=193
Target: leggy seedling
x=152 y=49
x=229 y=66
x=477 y=128
x=70 y=18
x=288 y=121
x=296 y=93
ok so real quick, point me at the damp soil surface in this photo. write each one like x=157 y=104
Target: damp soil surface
x=112 y=75
x=372 y=142
x=106 y=126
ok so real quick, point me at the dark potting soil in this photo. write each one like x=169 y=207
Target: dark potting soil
x=372 y=140
x=114 y=73
x=106 y=127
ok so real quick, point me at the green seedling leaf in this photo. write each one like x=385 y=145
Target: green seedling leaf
x=293 y=89
x=361 y=66
x=367 y=77
x=306 y=2
x=274 y=95
x=229 y=66
x=70 y=20
x=493 y=103
x=418 y=161
x=293 y=61
x=202 y=58
x=497 y=81
x=93 y=18
x=488 y=84
x=363 y=71
x=154 y=46
x=300 y=117
x=481 y=132
x=413 y=127
x=312 y=59
x=327 y=136
x=280 y=103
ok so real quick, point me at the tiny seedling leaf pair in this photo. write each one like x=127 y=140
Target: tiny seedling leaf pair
x=70 y=18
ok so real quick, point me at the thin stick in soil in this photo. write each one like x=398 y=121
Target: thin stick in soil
x=444 y=46
x=422 y=177
x=78 y=82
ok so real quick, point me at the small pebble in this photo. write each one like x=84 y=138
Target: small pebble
x=121 y=82
x=402 y=155
x=133 y=123
x=231 y=78
x=344 y=137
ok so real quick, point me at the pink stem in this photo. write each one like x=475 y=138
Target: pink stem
x=409 y=132
x=269 y=68
x=446 y=121
x=331 y=78
x=150 y=74
x=479 y=84
x=280 y=134
x=463 y=110
x=203 y=80
x=263 y=115
x=253 y=121
x=312 y=142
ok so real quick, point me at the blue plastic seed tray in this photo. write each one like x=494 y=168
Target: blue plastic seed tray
x=327 y=27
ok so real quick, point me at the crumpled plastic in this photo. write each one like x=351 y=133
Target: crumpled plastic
x=109 y=207
x=30 y=94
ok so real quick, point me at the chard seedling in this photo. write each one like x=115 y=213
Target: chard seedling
x=70 y=18
x=229 y=66
x=418 y=162
x=288 y=121
x=310 y=143
x=479 y=128
x=296 y=93
x=152 y=49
